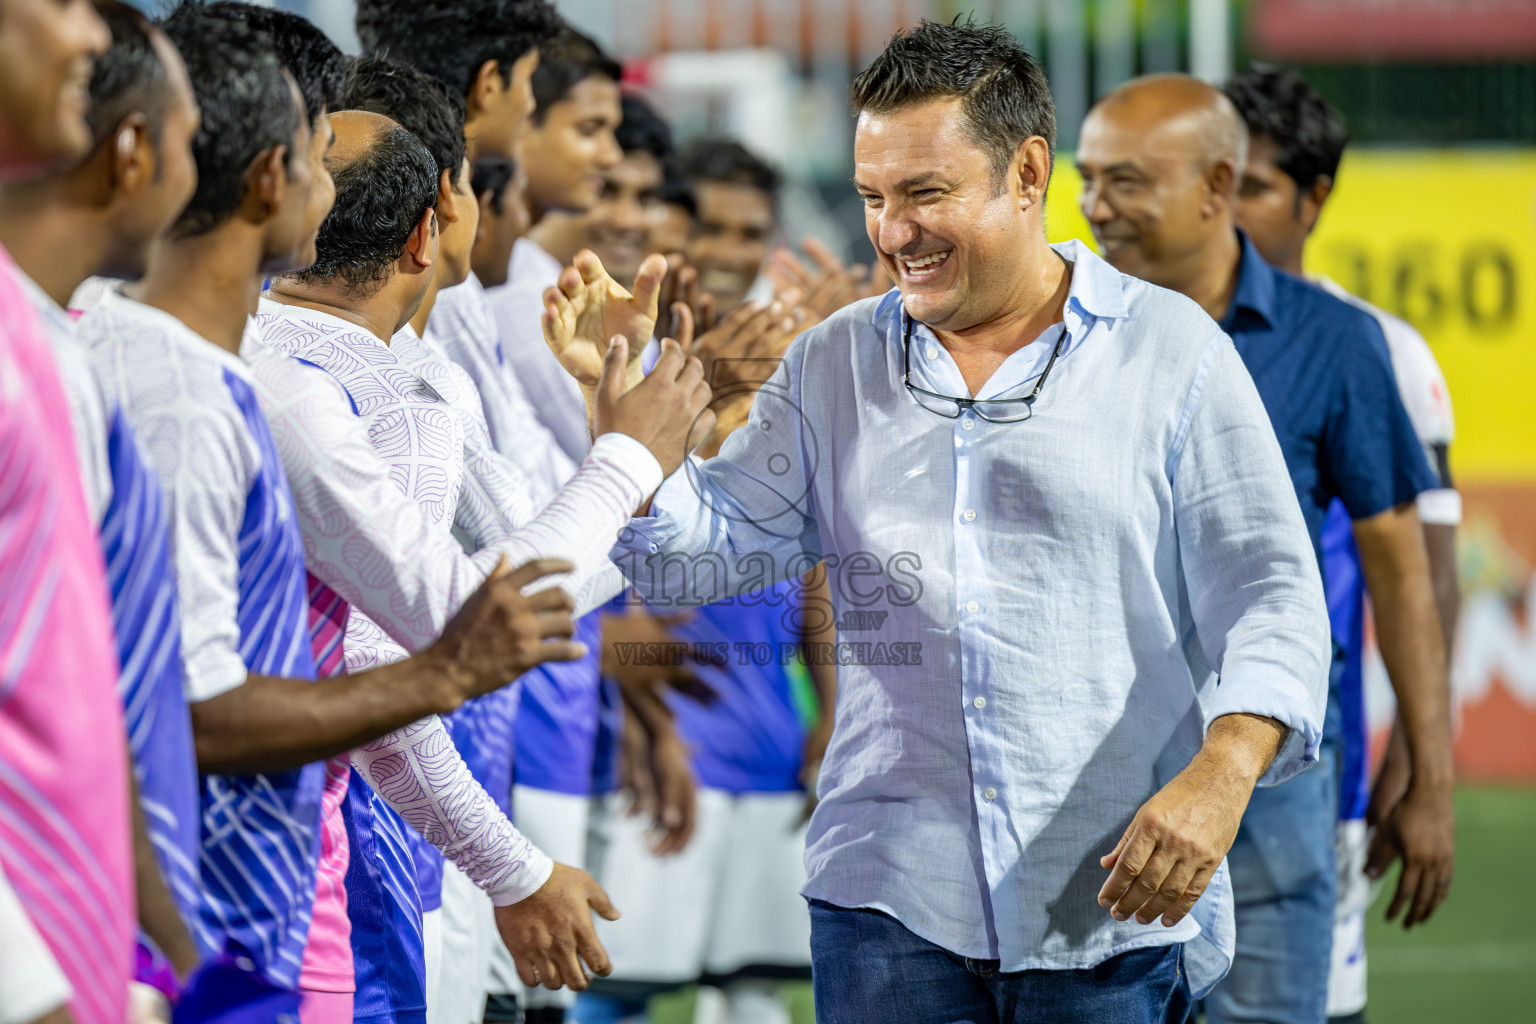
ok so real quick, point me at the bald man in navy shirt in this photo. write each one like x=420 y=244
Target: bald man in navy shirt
x=1160 y=159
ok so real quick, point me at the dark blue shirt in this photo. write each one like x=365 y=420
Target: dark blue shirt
x=1322 y=369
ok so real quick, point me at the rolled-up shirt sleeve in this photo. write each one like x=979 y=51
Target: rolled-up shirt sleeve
x=1255 y=592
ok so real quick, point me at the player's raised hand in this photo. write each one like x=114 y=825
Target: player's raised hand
x=668 y=411
x=587 y=307
x=681 y=288
x=824 y=284
x=550 y=933
x=748 y=343
x=501 y=632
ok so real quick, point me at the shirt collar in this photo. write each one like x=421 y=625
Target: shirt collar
x=1255 y=294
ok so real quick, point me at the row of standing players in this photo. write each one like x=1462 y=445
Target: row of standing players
x=749 y=745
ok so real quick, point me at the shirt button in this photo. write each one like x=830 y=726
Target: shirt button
x=968 y=424
x=972 y=607
x=969 y=515
x=933 y=353
x=979 y=703
x=654 y=548
x=989 y=793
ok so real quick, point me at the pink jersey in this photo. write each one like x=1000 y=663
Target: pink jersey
x=328 y=953
x=64 y=839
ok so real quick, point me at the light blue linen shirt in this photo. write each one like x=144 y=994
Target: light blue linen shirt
x=1037 y=620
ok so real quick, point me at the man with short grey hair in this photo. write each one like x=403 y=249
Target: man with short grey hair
x=1089 y=616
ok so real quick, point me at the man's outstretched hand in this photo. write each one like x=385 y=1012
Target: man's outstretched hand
x=668 y=411
x=500 y=632
x=1177 y=840
x=550 y=933
x=587 y=307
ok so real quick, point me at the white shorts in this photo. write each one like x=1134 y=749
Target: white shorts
x=728 y=903
x=456 y=983
x=557 y=824
x=1346 y=974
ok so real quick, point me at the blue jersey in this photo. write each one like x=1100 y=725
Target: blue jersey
x=385 y=911
x=243 y=601
x=557 y=721
x=1345 y=584
x=135 y=541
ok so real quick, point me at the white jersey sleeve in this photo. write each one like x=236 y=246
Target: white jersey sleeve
x=420 y=774
x=170 y=384
x=578 y=524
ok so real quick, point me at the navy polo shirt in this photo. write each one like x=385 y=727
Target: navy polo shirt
x=1322 y=369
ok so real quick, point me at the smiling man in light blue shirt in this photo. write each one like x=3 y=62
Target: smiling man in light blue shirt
x=1080 y=613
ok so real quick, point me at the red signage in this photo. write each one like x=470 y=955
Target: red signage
x=1363 y=30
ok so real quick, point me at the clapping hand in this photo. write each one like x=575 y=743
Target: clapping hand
x=587 y=307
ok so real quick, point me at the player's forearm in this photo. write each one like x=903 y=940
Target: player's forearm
x=1409 y=633
x=271 y=725
x=444 y=803
x=158 y=916
x=1440 y=543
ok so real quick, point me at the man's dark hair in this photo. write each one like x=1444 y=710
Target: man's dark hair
x=419 y=103
x=642 y=130
x=311 y=58
x=728 y=162
x=1278 y=104
x=676 y=189
x=380 y=198
x=247 y=106
x=129 y=78
x=490 y=175
x=564 y=61
x=452 y=39
x=1004 y=95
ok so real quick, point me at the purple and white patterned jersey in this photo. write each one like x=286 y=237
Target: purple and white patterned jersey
x=557 y=724
x=124 y=497
x=240 y=575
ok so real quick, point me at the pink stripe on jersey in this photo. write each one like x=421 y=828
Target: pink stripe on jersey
x=64 y=844
x=327 y=963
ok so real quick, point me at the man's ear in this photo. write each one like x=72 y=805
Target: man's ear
x=1221 y=183
x=134 y=163
x=266 y=184
x=1313 y=199
x=1031 y=171
x=486 y=88
x=445 y=197
x=421 y=246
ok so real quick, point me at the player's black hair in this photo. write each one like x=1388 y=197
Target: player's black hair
x=380 y=198
x=247 y=106
x=728 y=162
x=490 y=175
x=1308 y=133
x=564 y=61
x=415 y=100
x=130 y=77
x=452 y=39
x=308 y=53
x=642 y=130
x=1004 y=95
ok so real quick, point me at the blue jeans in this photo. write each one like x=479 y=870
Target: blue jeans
x=1284 y=884
x=867 y=968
